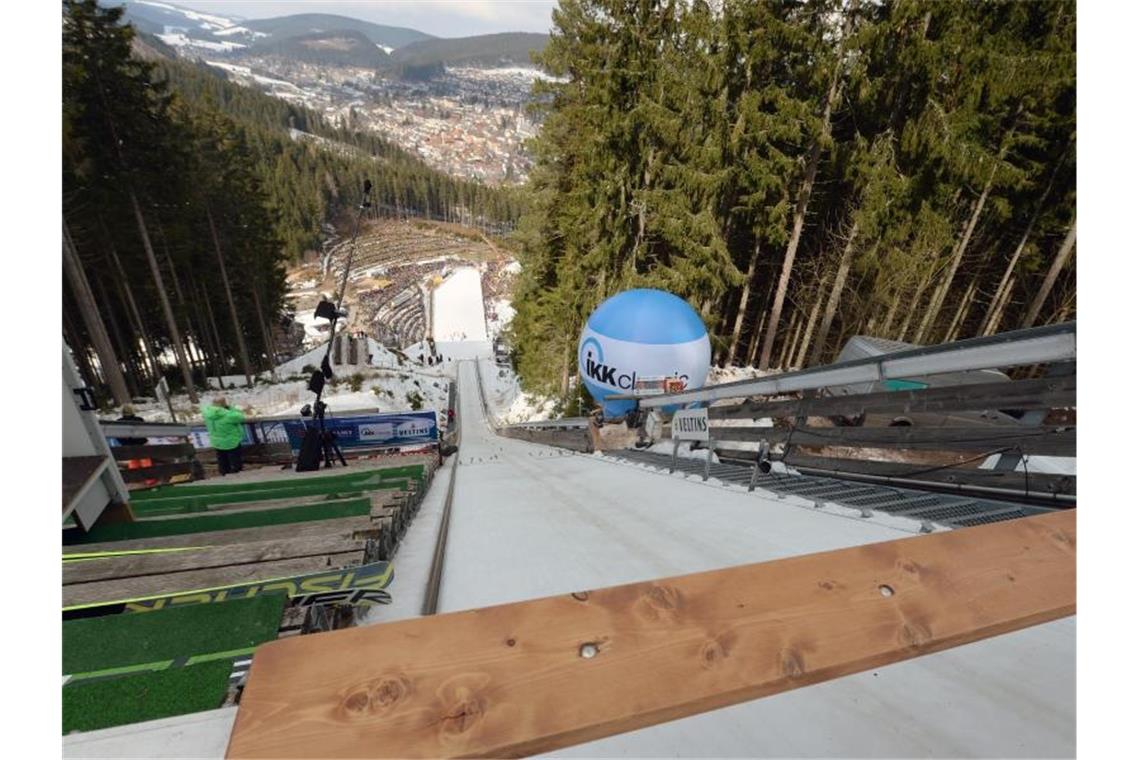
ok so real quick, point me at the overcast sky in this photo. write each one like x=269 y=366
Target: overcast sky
x=443 y=18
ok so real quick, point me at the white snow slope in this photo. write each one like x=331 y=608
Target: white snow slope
x=457 y=308
x=530 y=521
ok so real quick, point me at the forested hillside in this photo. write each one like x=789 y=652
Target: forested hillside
x=184 y=196
x=803 y=171
x=481 y=50
x=305 y=178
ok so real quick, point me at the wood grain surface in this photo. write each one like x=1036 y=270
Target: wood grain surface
x=192 y=580
x=512 y=680
x=134 y=565
x=348 y=526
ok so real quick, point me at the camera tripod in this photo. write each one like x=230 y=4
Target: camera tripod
x=318 y=443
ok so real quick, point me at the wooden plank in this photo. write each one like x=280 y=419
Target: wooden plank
x=157 y=452
x=200 y=559
x=1031 y=440
x=1026 y=395
x=192 y=580
x=250 y=506
x=361 y=525
x=513 y=679
x=1037 y=481
x=78 y=474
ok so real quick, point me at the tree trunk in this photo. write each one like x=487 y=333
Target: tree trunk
x=743 y=307
x=132 y=305
x=910 y=312
x=141 y=361
x=799 y=361
x=565 y=384
x=960 y=315
x=889 y=320
x=1003 y=301
x=122 y=349
x=242 y=353
x=171 y=325
x=71 y=335
x=219 y=352
x=803 y=199
x=836 y=293
x=1051 y=277
x=790 y=338
x=959 y=251
x=754 y=342
x=266 y=336
x=189 y=337
x=1021 y=243
x=81 y=288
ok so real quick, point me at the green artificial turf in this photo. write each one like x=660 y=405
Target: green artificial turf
x=90 y=705
x=127 y=531
x=113 y=641
x=180 y=505
x=350 y=480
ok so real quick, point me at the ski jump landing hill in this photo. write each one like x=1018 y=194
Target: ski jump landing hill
x=510 y=520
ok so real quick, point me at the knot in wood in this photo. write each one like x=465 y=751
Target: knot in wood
x=389 y=692
x=462 y=717
x=713 y=652
x=792 y=663
x=356 y=703
x=914 y=634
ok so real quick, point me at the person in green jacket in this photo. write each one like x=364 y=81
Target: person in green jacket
x=226 y=428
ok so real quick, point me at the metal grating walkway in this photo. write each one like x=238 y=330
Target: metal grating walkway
x=944 y=509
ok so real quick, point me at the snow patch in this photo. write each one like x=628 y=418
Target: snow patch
x=1037 y=463
x=684 y=451
x=181 y=40
x=502 y=314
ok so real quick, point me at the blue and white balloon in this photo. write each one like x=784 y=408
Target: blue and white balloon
x=641 y=334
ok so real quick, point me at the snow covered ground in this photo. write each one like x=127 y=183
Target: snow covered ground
x=381 y=390
x=1038 y=463
x=502 y=314
x=457 y=308
x=506 y=400
x=732 y=373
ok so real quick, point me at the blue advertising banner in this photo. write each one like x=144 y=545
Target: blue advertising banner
x=358 y=431
x=373 y=431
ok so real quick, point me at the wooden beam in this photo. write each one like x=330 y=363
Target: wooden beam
x=350 y=526
x=1043 y=393
x=148 y=585
x=540 y=675
x=135 y=565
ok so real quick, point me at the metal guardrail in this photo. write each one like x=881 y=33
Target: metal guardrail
x=1036 y=345
x=568 y=423
x=951 y=510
